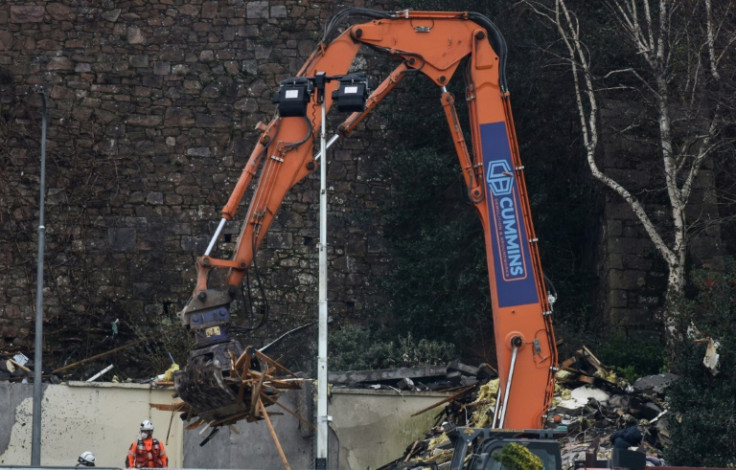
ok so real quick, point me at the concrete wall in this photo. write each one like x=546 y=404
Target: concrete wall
x=369 y=428
x=100 y=417
x=375 y=427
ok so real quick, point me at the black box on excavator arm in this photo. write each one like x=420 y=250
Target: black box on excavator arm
x=351 y=94
x=293 y=95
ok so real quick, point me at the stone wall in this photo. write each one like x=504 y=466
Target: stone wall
x=633 y=275
x=151 y=110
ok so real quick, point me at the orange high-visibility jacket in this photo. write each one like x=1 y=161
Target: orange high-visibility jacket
x=146 y=453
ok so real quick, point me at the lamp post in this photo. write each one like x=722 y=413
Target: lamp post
x=38 y=343
x=292 y=98
x=323 y=419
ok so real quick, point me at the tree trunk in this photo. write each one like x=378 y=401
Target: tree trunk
x=674 y=326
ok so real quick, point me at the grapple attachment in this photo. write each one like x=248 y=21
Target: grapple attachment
x=205 y=383
x=223 y=382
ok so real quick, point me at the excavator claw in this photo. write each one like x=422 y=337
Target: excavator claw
x=206 y=384
x=224 y=383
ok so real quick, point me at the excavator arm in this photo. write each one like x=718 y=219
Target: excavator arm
x=434 y=44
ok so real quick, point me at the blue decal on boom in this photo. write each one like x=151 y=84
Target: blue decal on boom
x=515 y=280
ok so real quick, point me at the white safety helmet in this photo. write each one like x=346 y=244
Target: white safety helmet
x=147 y=425
x=87 y=459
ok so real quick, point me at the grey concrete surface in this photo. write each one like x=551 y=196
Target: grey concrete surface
x=368 y=429
x=103 y=418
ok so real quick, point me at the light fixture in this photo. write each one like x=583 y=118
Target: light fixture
x=351 y=94
x=293 y=95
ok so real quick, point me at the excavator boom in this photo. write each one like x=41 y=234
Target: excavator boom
x=435 y=44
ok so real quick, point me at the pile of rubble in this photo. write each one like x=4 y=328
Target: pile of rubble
x=593 y=408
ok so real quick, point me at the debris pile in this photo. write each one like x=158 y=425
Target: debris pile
x=418 y=379
x=600 y=411
x=594 y=412
x=13 y=367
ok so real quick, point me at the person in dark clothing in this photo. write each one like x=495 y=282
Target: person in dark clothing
x=625 y=438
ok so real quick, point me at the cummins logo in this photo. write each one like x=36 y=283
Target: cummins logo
x=499 y=178
x=515 y=283
x=501 y=183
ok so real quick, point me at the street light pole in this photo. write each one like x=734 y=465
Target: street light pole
x=323 y=418
x=292 y=98
x=38 y=346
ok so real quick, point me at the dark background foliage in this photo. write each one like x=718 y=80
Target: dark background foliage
x=703 y=405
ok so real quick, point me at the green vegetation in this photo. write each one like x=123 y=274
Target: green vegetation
x=515 y=456
x=632 y=358
x=439 y=283
x=703 y=404
x=359 y=348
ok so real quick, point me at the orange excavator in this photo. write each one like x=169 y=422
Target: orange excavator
x=436 y=45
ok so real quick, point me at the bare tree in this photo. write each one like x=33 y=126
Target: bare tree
x=677 y=52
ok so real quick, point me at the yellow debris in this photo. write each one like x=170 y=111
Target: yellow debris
x=484 y=403
x=562 y=374
x=169 y=374
x=434 y=442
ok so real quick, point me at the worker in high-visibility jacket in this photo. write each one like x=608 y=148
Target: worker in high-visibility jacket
x=147 y=451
